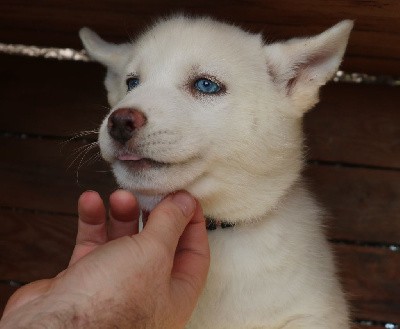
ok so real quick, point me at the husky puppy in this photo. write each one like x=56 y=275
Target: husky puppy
x=206 y=107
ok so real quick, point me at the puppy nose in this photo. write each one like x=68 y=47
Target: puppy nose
x=123 y=122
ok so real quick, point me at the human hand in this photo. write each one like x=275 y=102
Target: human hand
x=118 y=277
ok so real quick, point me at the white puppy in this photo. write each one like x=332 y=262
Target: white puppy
x=207 y=107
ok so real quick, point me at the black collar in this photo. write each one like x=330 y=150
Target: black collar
x=212 y=224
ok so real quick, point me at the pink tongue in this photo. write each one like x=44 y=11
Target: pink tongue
x=129 y=157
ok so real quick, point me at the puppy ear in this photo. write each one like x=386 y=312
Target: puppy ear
x=300 y=66
x=110 y=55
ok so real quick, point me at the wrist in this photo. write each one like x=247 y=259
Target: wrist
x=49 y=312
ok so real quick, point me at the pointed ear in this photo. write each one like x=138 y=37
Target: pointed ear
x=108 y=54
x=300 y=66
x=111 y=55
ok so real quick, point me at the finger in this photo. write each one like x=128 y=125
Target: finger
x=192 y=257
x=92 y=219
x=91 y=225
x=168 y=220
x=124 y=215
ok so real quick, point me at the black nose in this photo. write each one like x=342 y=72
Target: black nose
x=123 y=122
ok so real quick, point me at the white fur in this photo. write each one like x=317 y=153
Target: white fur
x=240 y=154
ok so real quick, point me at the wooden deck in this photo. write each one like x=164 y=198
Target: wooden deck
x=353 y=139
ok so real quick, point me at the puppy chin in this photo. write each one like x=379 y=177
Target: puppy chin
x=158 y=179
x=150 y=186
x=148 y=202
x=147 y=197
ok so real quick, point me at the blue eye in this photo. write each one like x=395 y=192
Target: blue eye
x=132 y=83
x=206 y=86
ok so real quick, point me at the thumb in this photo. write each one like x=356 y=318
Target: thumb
x=192 y=259
x=168 y=220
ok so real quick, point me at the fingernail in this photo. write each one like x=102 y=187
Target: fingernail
x=185 y=202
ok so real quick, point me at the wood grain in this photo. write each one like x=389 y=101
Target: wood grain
x=35 y=246
x=362 y=204
x=357 y=124
x=371 y=277
x=35 y=175
x=56 y=23
x=48 y=97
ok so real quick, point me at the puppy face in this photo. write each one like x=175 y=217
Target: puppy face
x=204 y=106
x=198 y=98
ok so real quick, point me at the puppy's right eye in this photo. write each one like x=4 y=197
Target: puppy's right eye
x=132 y=83
x=206 y=86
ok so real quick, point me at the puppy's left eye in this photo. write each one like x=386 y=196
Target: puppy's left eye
x=207 y=86
x=132 y=83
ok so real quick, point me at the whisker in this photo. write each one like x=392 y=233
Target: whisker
x=92 y=159
x=80 y=148
x=79 y=135
x=81 y=162
x=85 y=152
x=82 y=151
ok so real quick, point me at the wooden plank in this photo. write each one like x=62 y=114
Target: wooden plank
x=362 y=204
x=35 y=175
x=56 y=23
x=356 y=124
x=353 y=123
x=35 y=246
x=387 y=66
x=371 y=277
x=48 y=97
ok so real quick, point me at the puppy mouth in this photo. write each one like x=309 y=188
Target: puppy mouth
x=138 y=162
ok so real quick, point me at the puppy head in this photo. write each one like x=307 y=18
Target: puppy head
x=207 y=107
